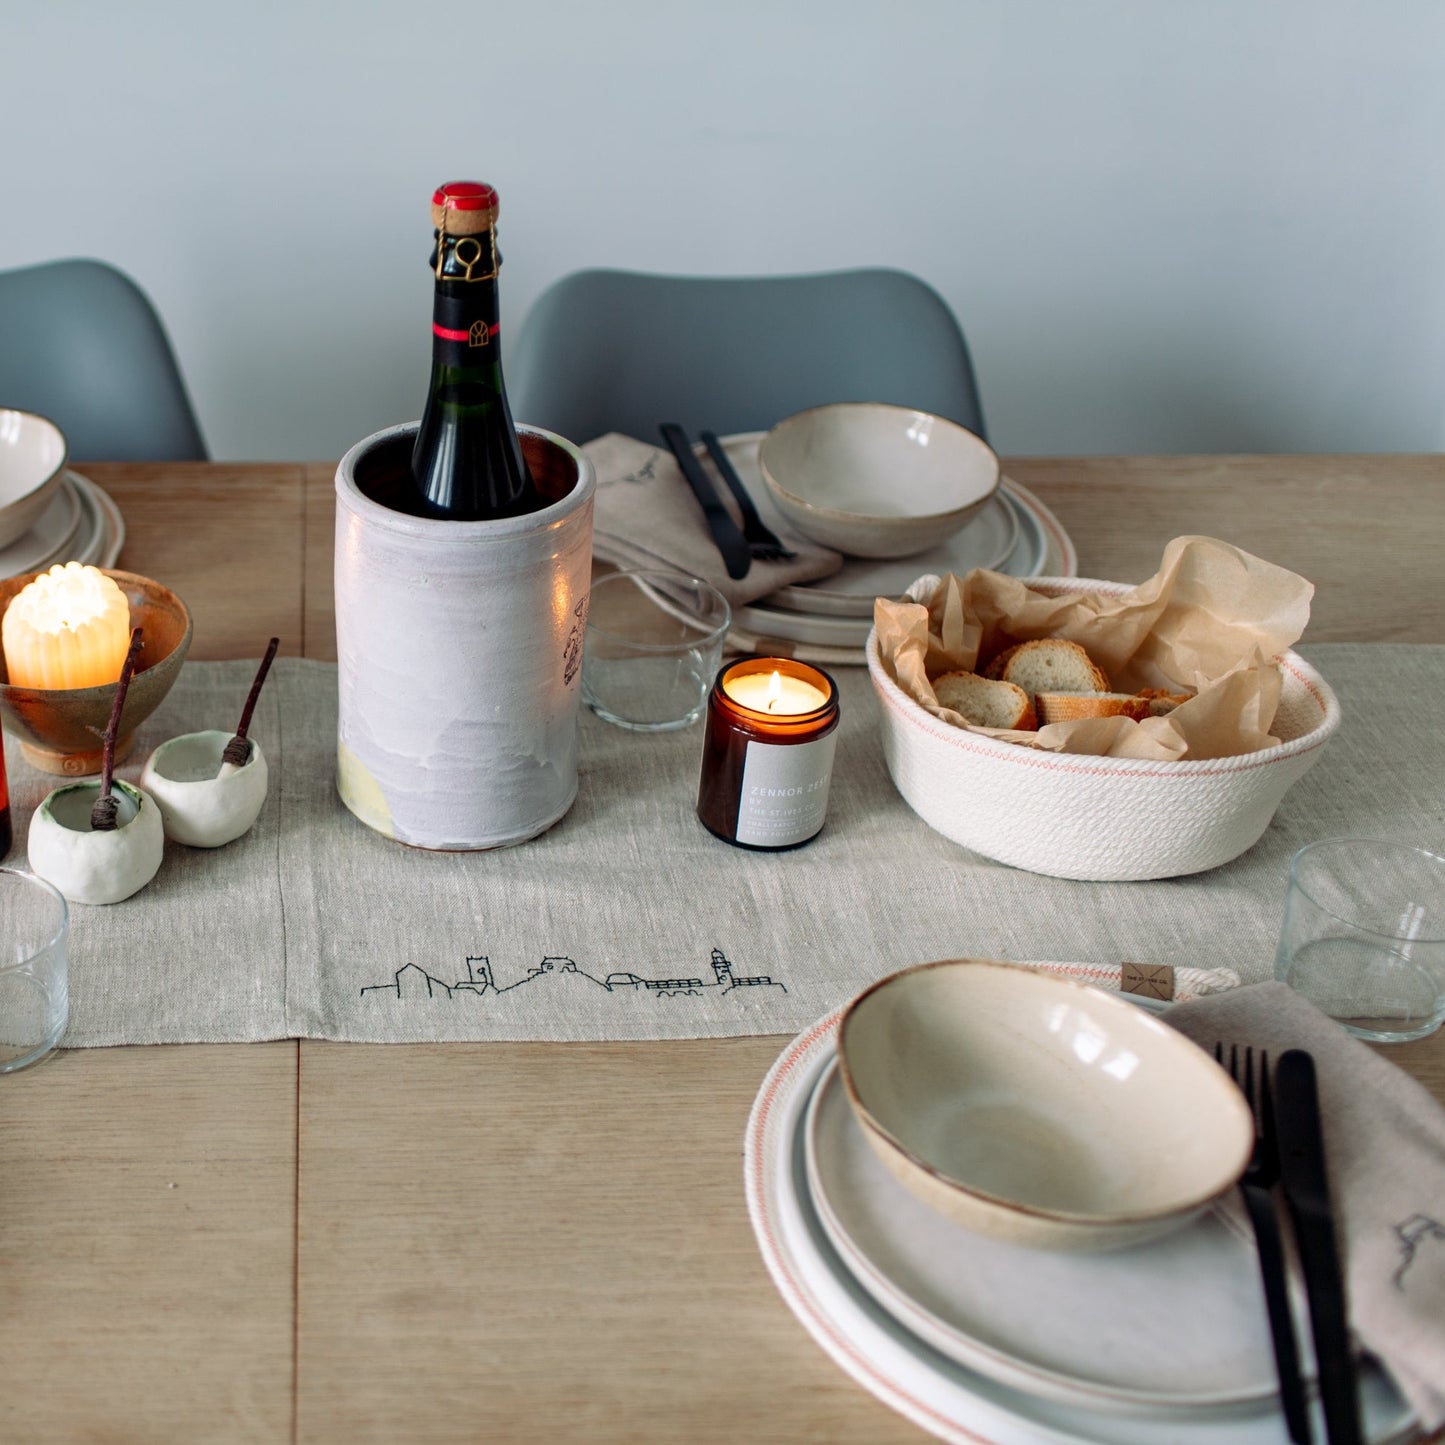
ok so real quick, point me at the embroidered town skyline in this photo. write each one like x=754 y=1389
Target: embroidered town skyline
x=411 y=981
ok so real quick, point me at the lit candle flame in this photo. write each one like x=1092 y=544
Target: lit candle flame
x=777 y=693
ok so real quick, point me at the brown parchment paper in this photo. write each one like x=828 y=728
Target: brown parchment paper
x=1210 y=622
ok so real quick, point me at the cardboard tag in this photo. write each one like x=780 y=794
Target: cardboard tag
x=1148 y=980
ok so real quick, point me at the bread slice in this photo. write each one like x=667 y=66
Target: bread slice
x=1162 y=701
x=1049 y=664
x=1053 y=707
x=996 y=667
x=984 y=703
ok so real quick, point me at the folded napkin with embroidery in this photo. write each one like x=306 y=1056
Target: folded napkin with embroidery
x=1385 y=1156
x=647 y=516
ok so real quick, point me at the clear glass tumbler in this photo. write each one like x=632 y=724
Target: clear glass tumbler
x=34 y=997
x=1364 y=936
x=654 y=641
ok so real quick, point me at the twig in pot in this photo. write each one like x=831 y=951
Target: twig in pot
x=103 y=810
x=238 y=750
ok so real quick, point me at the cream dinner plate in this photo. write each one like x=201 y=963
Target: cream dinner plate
x=936 y=1391
x=1043 y=548
x=1178 y=1323
x=106 y=526
x=987 y=541
x=990 y=540
x=55 y=531
x=82 y=524
x=829 y=620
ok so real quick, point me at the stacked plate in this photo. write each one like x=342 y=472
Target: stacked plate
x=1015 y=533
x=979 y=1341
x=81 y=524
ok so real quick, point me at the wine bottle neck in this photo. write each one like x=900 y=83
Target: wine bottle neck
x=469 y=258
x=467 y=464
x=465 y=328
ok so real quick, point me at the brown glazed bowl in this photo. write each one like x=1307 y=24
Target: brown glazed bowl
x=60 y=728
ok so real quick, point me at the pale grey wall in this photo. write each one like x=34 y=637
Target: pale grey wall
x=1165 y=225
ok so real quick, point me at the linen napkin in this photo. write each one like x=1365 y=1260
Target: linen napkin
x=647 y=516
x=1385 y=1155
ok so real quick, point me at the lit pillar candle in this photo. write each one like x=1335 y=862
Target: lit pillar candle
x=68 y=628
x=768 y=752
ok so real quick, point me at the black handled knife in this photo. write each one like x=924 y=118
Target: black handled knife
x=755 y=530
x=725 y=532
x=1307 y=1194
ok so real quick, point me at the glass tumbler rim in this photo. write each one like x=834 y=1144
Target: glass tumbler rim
x=707 y=633
x=63 y=924
x=1391 y=845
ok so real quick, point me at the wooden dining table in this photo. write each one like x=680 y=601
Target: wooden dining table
x=324 y=1242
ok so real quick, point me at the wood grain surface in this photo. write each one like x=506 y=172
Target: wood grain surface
x=1367 y=531
x=148 y=1245
x=520 y=1242
x=148 y=1195
x=230 y=540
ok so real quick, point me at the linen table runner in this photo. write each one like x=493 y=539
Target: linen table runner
x=627 y=920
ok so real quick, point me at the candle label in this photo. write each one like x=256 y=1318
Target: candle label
x=785 y=792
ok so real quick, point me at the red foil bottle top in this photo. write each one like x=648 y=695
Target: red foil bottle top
x=464 y=208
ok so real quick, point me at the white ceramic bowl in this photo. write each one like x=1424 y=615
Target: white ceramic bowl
x=32 y=461
x=1098 y=818
x=876 y=481
x=91 y=867
x=199 y=806
x=1036 y=1109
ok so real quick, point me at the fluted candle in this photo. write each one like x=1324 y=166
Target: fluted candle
x=68 y=628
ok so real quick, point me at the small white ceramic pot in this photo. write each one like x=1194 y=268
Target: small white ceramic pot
x=91 y=867
x=459 y=646
x=202 y=805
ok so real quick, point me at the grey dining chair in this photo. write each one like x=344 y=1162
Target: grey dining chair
x=82 y=344
x=605 y=350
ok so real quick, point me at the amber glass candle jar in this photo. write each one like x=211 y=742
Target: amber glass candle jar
x=767 y=753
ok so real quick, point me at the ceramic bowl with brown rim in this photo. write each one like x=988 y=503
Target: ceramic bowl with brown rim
x=873 y=480
x=1039 y=1110
x=60 y=728
x=32 y=463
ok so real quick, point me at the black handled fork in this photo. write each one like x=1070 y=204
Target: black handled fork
x=1260 y=1176
x=762 y=541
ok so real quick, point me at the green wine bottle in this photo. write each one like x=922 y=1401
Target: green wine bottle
x=467 y=464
